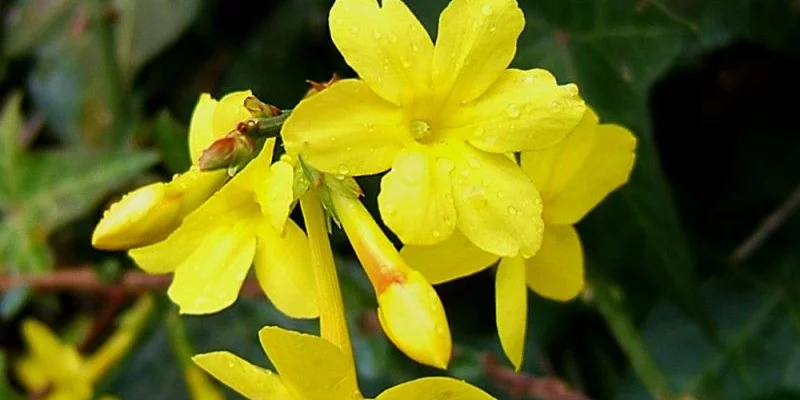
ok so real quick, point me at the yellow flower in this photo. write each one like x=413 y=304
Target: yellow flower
x=573 y=177
x=56 y=368
x=52 y=365
x=311 y=368
x=149 y=214
x=441 y=117
x=409 y=310
x=246 y=222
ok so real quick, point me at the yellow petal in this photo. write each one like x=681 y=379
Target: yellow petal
x=476 y=42
x=234 y=202
x=346 y=129
x=386 y=46
x=556 y=272
x=511 y=308
x=230 y=112
x=195 y=187
x=210 y=277
x=413 y=318
x=58 y=361
x=498 y=207
x=454 y=258
x=250 y=381
x=434 y=388
x=283 y=268
x=275 y=194
x=523 y=110
x=201 y=133
x=577 y=179
x=32 y=377
x=310 y=367
x=415 y=200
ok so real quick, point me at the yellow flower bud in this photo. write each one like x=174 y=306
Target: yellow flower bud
x=149 y=214
x=409 y=310
x=412 y=316
x=143 y=216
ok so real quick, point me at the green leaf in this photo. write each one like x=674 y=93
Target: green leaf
x=758 y=354
x=147 y=27
x=57 y=187
x=10 y=146
x=172 y=140
x=31 y=21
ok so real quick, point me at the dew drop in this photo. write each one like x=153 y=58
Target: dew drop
x=388 y=209
x=479 y=131
x=376 y=34
x=500 y=195
x=486 y=10
x=354 y=29
x=474 y=163
x=492 y=29
x=370 y=127
x=529 y=79
x=348 y=149
x=393 y=38
x=405 y=63
x=513 y=111
x=436 y=233
x=553 y=104
x=525 y=253
x=513 y=210
x=343 y=169
x=445 y=164
x=419 y=129
x=414 y=47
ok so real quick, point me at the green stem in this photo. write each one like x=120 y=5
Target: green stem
x=332 y=322
x=628 y=337
x=109 y=67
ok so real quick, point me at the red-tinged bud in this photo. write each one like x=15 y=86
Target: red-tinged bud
x=230 y=151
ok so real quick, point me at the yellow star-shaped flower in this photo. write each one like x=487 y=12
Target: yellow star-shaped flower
x=246 y=222
x=311 y=368
x=573 y=177
x=149 y=214
x=441 y=117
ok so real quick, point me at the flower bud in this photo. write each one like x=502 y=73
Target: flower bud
x=149 y=214
x=230 y=151
x=412 y=316
x=260 y=109
x=409 y=310
x=317 y=87
x=146 y=215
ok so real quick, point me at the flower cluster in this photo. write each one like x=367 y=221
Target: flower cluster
x=485 y=164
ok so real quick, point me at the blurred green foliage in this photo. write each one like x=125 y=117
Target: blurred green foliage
x=97 y=96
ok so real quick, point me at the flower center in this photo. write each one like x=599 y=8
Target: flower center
x=419 y=129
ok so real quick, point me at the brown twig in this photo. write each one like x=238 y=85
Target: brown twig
x=83 y=279
x=519 y=384
x=774 y=221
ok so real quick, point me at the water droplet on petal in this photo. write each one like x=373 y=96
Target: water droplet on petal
x=436 y=233
x=405 y=63
x=348 y=149
x=474 y=163
x=513 y=111
x=486 y=10
x=553 y=104
x=529 y=79
x=376 y=34
x=492 y=28
x=354 y=29
x=479 y=131
x=414 y=47
x=513 y=210
x=393 y=38
x=500 y=195
x=445 y=164
x=343 y=169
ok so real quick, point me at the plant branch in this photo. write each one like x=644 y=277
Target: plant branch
x=82 y=278
x=109 y=67
x=771 y=224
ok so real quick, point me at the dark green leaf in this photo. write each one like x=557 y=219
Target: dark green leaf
x=172 y=140
x=31 y=21
x=146 y=27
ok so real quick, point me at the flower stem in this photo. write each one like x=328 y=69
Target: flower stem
x=121 y=341
x=628 y=337
x=333 y=325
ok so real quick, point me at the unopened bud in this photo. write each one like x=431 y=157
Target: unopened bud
x=230 y=151
x=260 y=109
x=146 y=215
x=409 y=309
x=412 y=316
